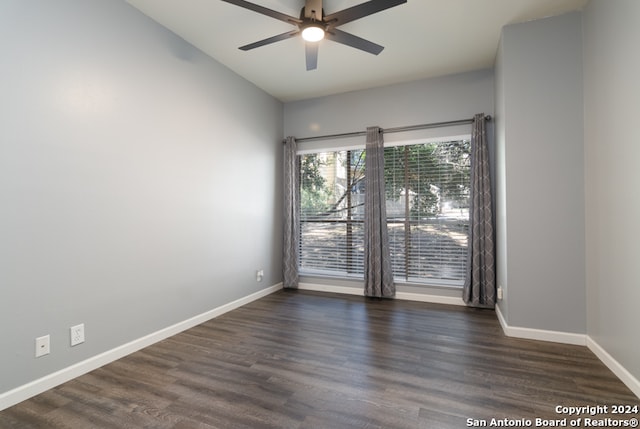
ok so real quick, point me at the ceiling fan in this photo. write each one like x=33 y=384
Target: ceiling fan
x=313 y=25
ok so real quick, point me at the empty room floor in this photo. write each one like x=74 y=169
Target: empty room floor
x=300 y=359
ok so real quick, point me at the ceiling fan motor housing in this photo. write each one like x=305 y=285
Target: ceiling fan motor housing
x=312 y=10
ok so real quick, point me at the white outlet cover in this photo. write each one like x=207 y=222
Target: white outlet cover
x=77 y=334
x=43 y=346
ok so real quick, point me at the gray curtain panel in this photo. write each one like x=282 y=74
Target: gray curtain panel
x=378 y=277
x=480 y=283
x=291 y=215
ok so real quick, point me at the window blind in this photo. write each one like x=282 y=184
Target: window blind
x=332 y=213
x=427 y=199
x=427 y=191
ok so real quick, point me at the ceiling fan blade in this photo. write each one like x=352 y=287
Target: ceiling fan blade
x=311 y=54
x=270 y=40
x=354 y=41
x=360 y=11
x=265 y=11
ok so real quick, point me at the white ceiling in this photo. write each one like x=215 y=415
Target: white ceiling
x=422 y=38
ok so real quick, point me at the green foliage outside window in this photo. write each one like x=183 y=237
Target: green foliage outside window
x=314 y=194
x=431 y=174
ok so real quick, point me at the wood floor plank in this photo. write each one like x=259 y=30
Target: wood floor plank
x=300 y=359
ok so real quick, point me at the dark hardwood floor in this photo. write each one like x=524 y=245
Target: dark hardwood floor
x=297 y=359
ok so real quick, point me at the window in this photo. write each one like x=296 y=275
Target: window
x=427 y=199
x=427 y=191
x=332 y=213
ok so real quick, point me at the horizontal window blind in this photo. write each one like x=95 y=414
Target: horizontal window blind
x=332 y=213
x=427 y=200
x=427 y=192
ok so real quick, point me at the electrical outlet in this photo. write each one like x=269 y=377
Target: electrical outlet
x=77 y=334
x=500 y=293
x=259 y=275
x=43 y=346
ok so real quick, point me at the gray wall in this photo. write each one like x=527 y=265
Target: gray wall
x=138 y=179
x=431 y=100
x=540 y=175
x=612 y=151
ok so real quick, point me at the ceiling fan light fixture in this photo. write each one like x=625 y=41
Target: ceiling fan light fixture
x=313 y=33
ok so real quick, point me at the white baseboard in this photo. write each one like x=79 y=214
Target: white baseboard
x=433 y=299
x=331 y=289
x=21 y=393
x=620 y=371
x=577 y=339
x=408 y=296
x=540 y=334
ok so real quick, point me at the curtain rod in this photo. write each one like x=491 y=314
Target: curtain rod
x=392 y=130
